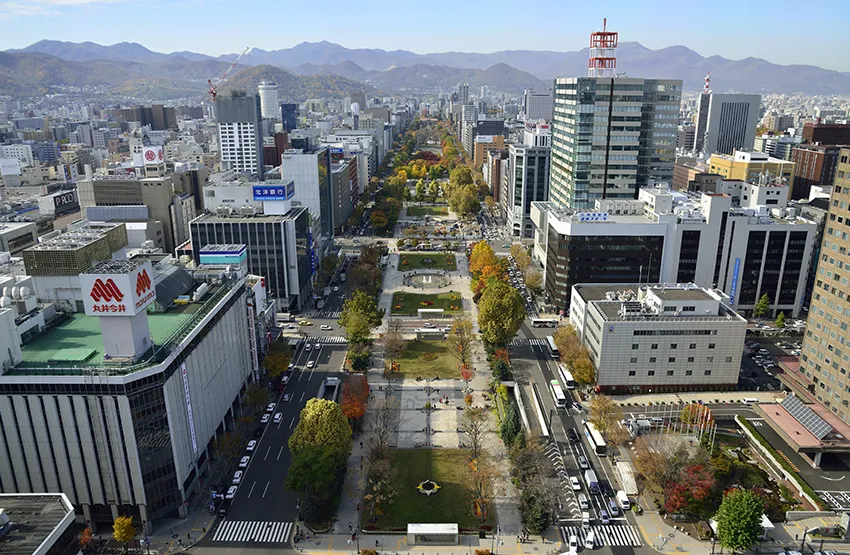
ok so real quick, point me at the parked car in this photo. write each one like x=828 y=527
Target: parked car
x=265 y=418
x=243 y=462
x=311 y=363
x=573 y=543
x=231 y=492
x=251 y=445
x=237 y=477
x=325 y=327
x=270 y=408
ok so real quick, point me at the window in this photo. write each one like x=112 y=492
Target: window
x=635 y=346
x=692 y=346
x=651 y=373
x=728 y=359
x=689 y=372
x=633 y=360
x=673 y=345
x=671 y=359
x=708 y=372
x=709 y=359
x=652 y=359
x=631 y=372
x=654 y=346
x=690 y=359
x=669 y=372
x=711 y=345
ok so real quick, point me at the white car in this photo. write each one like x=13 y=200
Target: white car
x=278 y=417
x=231 y=492
x=237 y=477
x=325 y=327
x=311 y=363
x=336 y=289
x=251 y=445
x=270 y=408
x=243 y=462
x=590 y=539
x=318 y=347
x=307 y=347
x=573 y=543
x=574 y=482
x=428 y=325
x=582 y=462
x=287 y=397
x=265 y=419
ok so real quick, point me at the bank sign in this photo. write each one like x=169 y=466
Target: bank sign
x=283 y=191
x=118 y=294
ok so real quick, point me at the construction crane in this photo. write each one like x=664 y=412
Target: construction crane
x=218 y=79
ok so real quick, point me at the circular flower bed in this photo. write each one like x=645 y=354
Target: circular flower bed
x=453 y=297
x=427 y=357
x=428 y=487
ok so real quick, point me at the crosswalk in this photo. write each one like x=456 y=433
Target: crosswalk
x=252 y=531
x=327 y=339
x=527 y=342
x=330 y=314
x=838 y=500
x=612 y=535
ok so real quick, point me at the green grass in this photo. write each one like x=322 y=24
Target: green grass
x=453 y=501
x=439 y=210
x=410 y=364
x=416 y=261
x=410 y=303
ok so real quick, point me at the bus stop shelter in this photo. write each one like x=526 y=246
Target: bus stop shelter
x=432 y=534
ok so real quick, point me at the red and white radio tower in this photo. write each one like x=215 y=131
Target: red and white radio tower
x=706 y=89
x=603 y=52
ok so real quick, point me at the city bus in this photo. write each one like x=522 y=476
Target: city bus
x=553 y=350
x=557 y=394
x=566 y=377
x=544 y=323
x=595 y=439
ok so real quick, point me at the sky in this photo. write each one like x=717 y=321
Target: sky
x=733 y=29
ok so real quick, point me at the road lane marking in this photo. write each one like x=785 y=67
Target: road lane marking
x=266 y=489
x=292 y=423
x=252 y=489
x=311 y=373
x=279 y=453
x=302 y=396
x=267 y=452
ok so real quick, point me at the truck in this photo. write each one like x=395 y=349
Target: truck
x=627 y=477
x=327 y=291
x=342 y=277
x=592 y=481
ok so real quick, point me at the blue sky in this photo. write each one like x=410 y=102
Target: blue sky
x=733 y=29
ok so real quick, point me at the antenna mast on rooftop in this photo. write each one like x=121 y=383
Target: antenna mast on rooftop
x=603 y=52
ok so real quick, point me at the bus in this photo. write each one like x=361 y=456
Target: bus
x=544 y=323
x=553 y=350
x=557 y=394
x=595 y=439
x=566 y=377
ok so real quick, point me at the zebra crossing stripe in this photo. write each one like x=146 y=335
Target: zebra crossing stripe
x=612 y=535
x=256 y=531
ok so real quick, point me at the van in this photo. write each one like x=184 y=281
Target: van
x=582 y=501
x=749 y=401
x=623 y=500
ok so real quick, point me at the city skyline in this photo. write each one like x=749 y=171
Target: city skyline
x=712 y=33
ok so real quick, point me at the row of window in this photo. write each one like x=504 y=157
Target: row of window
x=670 y=373
x=674 y=332
x=636 y=346
x=670 y=360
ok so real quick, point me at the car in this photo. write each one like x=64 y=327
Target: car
x=529 y=299
x=573 y=543
x=575 y=483
x=590 y=539
x=318 y=346
x=237 y=477
x=582 y=462
x=251 y=445
x=306 y=323
x=577 y=407
x=336 y=289
x=311 y=363
x=278 y=417
x=428 y=325
x=285 y=379
x=287 y=397
x=603 y=516
x=231 y=492
x=507 y=246
x=573 y=436
x=308 y=347
x=265 y=418
x=325 y=327
x=243 y=462
x=270 y=408
x=302 y=322
x=291 y=327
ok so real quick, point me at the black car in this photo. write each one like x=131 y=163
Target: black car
x=605 y=489
x=572 y=435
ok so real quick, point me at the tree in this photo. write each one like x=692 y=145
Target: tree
x=510 y=427
x=460 y=339
x=582 y=368
x=464 y=201
x=460 y=176
x=313 y=470
x=739 y=520
x=378 y=485
x=86 y=537
x=475 y=423
x=379 y=219
x=534 y=280
x=327 y=268
x=481 y=481
x=382 y=423
x=359 y=356
x=229 y=446
x=257 y=396
x=521 y=258
x=277 y=360
x=501 y=311
x=433 y=191
x=694 y=483
x=322 y=424
x=420 y=191
x=605 y=414
x=393 y=340
x=482 y=256
x=535 y=511
x=123 y=530
x=359 y=315
x=694 y=414
x=762 y=306
x=780 y=321
x=355 y=396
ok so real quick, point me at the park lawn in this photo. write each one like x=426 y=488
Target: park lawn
x=410 y=365
x=416 y=261
x=438 y=210
x=410 y=303
x=451 y=503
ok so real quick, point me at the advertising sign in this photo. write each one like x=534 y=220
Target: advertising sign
x=252 y=332
x=65 y=202
x=152 y=155
x=735 y=273
x=118 y=294
x=274 y=192
x=189 y=408
x=592 y=216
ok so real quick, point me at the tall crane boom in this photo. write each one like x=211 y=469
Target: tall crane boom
x=213 y=82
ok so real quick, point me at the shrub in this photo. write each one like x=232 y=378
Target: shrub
x=427 y=357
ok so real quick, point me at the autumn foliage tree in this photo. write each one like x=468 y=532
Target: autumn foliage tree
x=277 y=359
x=123 y=530
x=694 y=483
x=355 y=395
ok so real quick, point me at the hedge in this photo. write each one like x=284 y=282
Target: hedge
x=822 y=505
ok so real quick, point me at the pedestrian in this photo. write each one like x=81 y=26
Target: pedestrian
x=349 y=527
x=377 y=543
x=349 y=541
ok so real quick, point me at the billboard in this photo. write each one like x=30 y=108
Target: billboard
x=152 y=155
x=274 y=192
x=65 y=202
x=118 y=294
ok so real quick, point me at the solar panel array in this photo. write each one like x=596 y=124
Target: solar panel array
x=806 y=416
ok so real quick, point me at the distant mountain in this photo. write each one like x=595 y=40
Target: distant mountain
x=633 y=59
x=293 y=88
x=427 y=77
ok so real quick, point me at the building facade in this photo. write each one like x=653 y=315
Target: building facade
x=827 y=133
x=748 y=166
x=528 y=182
x=537 y=105
x=240 y=137
x=269 y=101
x=726 y=122
x=815 y=165
x=659 y=337
x=610 y=137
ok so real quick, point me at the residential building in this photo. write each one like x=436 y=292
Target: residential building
x=240 y=138
x=269 y=101
x=777 y=146
x=492 y=172
x=815 y=165
x=21 y=152
x=611 y=137
x=726 y=122
x=815 y=210
x=537 y=105
x=684 y=171
x=528 y=179
x=662 y=337
x=463 y=93
x=827 y=133
x=483 y=144
x=686 y=138
x=759 y=248
x=778 y=122
x=748 y=166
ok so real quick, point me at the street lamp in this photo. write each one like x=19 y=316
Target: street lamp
x=805 y=532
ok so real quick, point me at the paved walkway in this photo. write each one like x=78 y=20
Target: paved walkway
x=500 y=544
x=705 y=397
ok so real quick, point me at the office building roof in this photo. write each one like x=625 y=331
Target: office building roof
x=38 y=521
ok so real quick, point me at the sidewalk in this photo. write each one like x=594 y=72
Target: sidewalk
x=386 y=544
x=705 y=397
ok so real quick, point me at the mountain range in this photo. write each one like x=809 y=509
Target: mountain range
x=508 y=70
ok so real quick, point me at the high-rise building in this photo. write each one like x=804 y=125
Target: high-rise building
x=726 y=122
x=528 y=179
x=483 y=93
x=686 y=138
x=777 y=146
x=463 y=93
x=537 y=105
x=827 y=133
x=289 y=117
x=240 y=137
x=311 y=172
x=778 y=122
x=611 y=136
x=815 y=166
x=269 y=102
